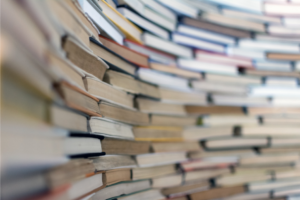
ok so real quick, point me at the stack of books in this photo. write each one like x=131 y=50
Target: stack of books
x=150 y=99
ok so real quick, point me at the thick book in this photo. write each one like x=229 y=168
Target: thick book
x=165 y=120
x=109 y=93
x=167 y=181
x=152 y=16
x=131 y=84
x=158 y=107
x=154 y=54
x=87 y=186
x=110 y=128
x=174 y=70
x=283 y=56
x=152 y=172
x=158 y=133
x=219 y=192
x=112 y=146
x=108 y=162
x=216 y=28
x=220 y=110
x=66 y=70
x=69 y=21
x=131 y=55
x=162 y=79
x=192 y=175
x=236 y=143
x=121 y=189
x=113 y=59
x=223 y=59
x=167 y=46
x=84 y=59
x=185 y=189
x=182 y=97
x=128 y=28
x=117 y=175
x=121 y=114
x=175 y=146
x=79 y=99
x=158 y=159
x=154 y=194
x=105 y=26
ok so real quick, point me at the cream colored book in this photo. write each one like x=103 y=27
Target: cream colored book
x=157 y=107
x=110 y=128
x=167 y=181
x=109 y=93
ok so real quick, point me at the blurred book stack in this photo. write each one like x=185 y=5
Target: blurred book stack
x=150 y=99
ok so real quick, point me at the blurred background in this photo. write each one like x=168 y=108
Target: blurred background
x=150 y=99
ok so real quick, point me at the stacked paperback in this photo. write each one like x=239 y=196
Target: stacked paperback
x=150 y=99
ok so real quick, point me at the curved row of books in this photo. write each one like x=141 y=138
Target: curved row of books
x=150 y=99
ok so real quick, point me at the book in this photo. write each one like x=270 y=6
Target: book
x=205 y=35
x=131 y=84
x=133 y=56
x=114 y=60
x=283 y=56
x=152 y=172
x=211 y=109
x=112 y=146
x=109 y=128
x=254 y=6
x=108 y=93
x=103 y=23
x=203 y=66
x=223 y=59
x=251 y=16
x=150 y=15
x=185 y=189
x=157 y=107
x=157 y=133
x=153 y=54
x=269 y=160
x=167 y=46
x=68 y=71
x=194 y=176
x=120 y=114
x=174 y=70
x=164 y=80
x=228 y=100
x=79 y=99
x=84 y=59
x=233 y=22
x=69 y=20
x=198 y=23
x=160 y=9
x=165 y=120
x=236 y=143
x=185 y=98
x=220 y=192
x=128 y=28
x=197 y=43
x=234 y=120
x=175 y=146
x=281 y=9
x=221 y=88
x=148 y=194
x=92 y=184
x=234 y=79
x=108 y=162
x=116 y=175
x=265 y=186
x=121 y=189
x=182 y=8
x=167 y=181
x=158 y=159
